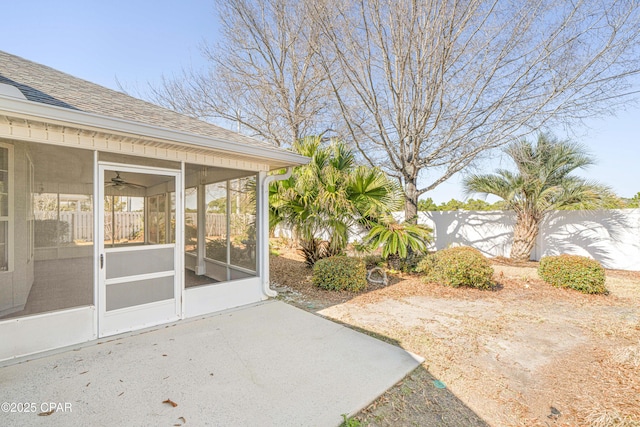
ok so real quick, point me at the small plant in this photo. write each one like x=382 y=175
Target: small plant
x=401 y=243
x=398 y=238
x=340 y=273
x=274 y=252
x=572 y=271
x=314 y=250
x=371 y=261
x=411 y=262
x=349 y=421
x=459 y=266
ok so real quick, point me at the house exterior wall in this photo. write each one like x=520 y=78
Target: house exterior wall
x=37 y=108
x=30 y=334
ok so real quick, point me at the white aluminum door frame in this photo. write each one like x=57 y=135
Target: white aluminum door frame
x=127 y=319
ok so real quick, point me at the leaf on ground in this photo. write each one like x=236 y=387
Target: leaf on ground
x=183 y=419
x=46 y=414
x=82 y=373
x=170 y=402
x=439 y=384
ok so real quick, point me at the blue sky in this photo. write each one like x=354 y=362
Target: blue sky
x=136 y=42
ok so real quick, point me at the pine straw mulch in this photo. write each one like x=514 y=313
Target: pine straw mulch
x=514 y=281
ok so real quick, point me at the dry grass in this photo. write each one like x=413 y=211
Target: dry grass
x=508 y=355
x=610 y=418
x=629 y=356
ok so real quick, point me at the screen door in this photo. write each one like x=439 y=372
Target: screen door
x=139 y=285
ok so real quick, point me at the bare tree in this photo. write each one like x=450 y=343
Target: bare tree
x=425 y=87
x=264 y=75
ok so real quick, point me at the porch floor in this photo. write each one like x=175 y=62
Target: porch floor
x=269 y=364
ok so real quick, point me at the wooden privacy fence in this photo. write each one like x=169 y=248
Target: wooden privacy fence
x=74 y=226
x=216 y=224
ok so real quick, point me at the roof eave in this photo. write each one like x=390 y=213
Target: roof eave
x=58 y=115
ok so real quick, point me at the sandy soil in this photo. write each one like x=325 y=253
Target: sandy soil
x=524 y=354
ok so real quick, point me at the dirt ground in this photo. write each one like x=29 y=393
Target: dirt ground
x=524 y=354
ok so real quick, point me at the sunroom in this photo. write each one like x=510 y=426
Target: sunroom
x=109 y=225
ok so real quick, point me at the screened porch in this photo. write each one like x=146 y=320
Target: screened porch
x=48 y=226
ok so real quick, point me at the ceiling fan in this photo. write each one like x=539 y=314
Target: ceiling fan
x=120 y=183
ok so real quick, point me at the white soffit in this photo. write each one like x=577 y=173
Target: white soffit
x=35 y=121
x=68 y=136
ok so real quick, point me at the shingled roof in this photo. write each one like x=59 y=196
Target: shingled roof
x=46 y=85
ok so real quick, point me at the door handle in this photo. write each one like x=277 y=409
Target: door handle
x=101 y=261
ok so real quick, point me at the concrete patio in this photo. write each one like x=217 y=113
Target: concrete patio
x=269 y=364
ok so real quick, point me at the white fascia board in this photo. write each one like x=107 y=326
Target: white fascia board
x=58 y=115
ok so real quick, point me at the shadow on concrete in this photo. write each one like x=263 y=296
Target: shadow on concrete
x=419 y=399
x=415 y=400
x=267 y=364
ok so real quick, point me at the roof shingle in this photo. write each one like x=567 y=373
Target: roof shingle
x=46 y=85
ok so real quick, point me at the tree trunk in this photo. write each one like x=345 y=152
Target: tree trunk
x=525 y=233
x=411 y=201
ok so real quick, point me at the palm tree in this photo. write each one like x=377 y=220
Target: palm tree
x=542 y=183
x=327 y=199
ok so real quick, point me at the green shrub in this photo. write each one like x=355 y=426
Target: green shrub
x=572 y=271
x=410 y=264
x=338 y=273
x=459 y=266
x=49 y=232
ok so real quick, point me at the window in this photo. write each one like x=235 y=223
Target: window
x=242 y=230
x=6 y=166
x=157 y=223
x=46 y=228
x=220 y=225
x=30 y=179
x=216 y=221
x=191 y=220
x=123 y=220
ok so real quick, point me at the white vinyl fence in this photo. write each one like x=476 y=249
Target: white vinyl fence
x=610 y=236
